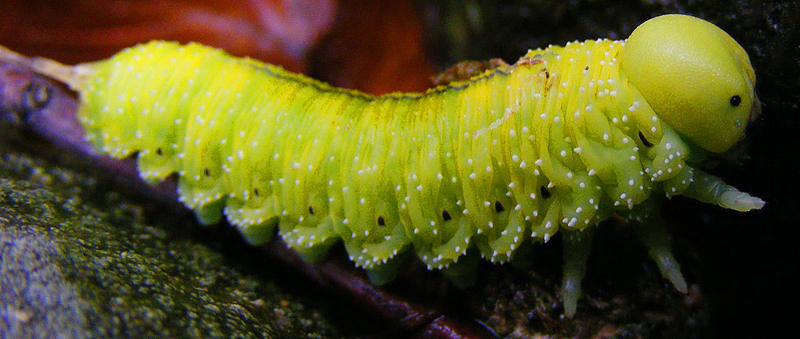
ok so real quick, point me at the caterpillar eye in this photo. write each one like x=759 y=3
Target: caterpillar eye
x=310 y=210
x=381 y=222
x=736 y=100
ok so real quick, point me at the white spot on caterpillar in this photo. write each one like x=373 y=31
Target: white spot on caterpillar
x=572 y=222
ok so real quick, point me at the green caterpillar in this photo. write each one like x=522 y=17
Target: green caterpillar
x=559 y=141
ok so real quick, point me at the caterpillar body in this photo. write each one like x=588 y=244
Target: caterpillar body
x=557 y=142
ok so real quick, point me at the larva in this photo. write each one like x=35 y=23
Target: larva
x=557 y=142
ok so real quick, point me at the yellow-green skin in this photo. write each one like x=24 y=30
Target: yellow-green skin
x=688 y=68
x=559 y=141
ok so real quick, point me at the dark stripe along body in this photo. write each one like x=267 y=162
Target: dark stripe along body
x=561 y=140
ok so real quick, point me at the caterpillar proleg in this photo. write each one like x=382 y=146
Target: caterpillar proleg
x=556 y=143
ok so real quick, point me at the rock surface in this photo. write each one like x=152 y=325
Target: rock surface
x=72 y=269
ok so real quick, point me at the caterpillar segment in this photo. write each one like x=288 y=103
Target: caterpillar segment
x=556 y=143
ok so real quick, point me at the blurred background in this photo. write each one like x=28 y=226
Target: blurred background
x=745 y=264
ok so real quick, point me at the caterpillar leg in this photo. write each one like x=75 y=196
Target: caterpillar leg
x=464 y=272
x=577 y=247
x=385 y=273
x=210 y=213
x=654 y=235
x=710 y=189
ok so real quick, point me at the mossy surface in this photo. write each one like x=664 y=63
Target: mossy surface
x=80 y=262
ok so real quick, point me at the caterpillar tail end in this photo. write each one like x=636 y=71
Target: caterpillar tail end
x=72 y=76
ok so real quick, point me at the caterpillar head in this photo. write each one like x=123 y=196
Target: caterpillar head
x=696 y=78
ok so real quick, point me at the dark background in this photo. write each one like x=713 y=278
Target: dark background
x=746 y=264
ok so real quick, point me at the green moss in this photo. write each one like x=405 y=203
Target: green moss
x=87 y=264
